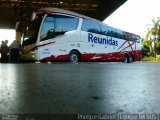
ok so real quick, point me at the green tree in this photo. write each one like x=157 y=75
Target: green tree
x=155 y=31
x=158 y=47
x=154 y=34
x=146 y=45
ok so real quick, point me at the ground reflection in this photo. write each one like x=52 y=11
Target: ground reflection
x=8 y=88
x=79 y=88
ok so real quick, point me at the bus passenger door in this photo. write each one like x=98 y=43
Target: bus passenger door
x=53 y=48
x=46 y=37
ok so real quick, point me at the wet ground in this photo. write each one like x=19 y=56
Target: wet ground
x=63 y=88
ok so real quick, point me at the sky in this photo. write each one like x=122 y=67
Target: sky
x=135 y=15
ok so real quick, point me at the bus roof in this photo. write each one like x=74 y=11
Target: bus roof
x=51 y=10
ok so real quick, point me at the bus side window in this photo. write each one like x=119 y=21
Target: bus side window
x=104 y=30
x=64 y=24
x=113 y=34
x=137 y=40
x=57 y=25
x=122 y=36
x=90 y=26
x=132 y=39
x=47 y=29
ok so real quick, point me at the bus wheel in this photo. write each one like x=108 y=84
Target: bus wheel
x=131 y=60
x=125 y=59
x=74 y=57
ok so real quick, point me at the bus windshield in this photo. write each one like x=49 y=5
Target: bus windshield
x=31 y=33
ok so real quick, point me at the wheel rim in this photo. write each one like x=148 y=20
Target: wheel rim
x=74 y=58
x=131 y=59
x=125 y=59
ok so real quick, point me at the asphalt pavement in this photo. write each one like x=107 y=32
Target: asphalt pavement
x=65 y=88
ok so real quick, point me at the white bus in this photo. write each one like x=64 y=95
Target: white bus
x=61 y=35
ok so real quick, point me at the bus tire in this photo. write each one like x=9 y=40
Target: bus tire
x=74 y=57
x=131 y=60
x=125 y=59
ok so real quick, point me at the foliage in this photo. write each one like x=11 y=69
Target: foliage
x=146 y=45
x=147 y=48
x=151 y=59
x=158 y=47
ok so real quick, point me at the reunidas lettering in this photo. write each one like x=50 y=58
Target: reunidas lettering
x=99 y=40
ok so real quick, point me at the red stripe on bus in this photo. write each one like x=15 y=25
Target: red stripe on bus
x=116 y=56
x=45 y=44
